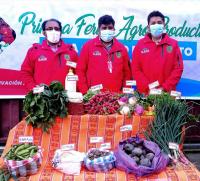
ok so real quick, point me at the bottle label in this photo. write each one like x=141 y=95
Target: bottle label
x=72 y=77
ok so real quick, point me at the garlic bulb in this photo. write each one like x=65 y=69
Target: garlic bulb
x=132 y=101
x=125 y=110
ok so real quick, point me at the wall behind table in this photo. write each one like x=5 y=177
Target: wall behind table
x=10 y=114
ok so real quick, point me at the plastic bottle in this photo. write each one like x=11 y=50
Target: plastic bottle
x=70 y=85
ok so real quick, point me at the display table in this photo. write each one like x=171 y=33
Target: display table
x=78 y=130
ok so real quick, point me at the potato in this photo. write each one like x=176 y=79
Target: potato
x=128 y=148
x=137 y=151
x=145 y=162
x=150 y=156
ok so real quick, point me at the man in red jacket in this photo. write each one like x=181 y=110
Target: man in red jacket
x=156 y=57
x=50 y=60
x=103 y=60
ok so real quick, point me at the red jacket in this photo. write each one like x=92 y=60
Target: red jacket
x=92 y=67
x=162 y=62
x=42 y=65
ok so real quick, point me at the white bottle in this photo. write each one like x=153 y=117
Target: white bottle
x=70 y=84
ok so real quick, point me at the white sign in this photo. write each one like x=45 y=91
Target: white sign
x=105 y=146
x=96 y=87
x=128 y=90
x=38 y=89
x=130 y=82
x=173 y=146
x=175 y=93
x=68 y=147
x=153 y=85
x=71 y=64
x=96 y=139
x=72 y=77
x=127 y=127
x=25 y=139
x=155 y=91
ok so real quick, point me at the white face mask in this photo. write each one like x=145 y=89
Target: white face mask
x=107 y=35
x=53 y=36
x=156 y=30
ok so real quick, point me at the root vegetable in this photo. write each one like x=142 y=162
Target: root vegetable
x=128 y=148
x=136 y=159
x=132 y=101
x=139 y=109
x=137 y=151
x=150 y=156
x=125 y=110
x=145 y=162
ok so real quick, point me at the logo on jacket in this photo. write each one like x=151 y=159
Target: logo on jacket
x=118 y=54
x=67 y=57
x=169 y=48
x=42 y=58
x=145 y=50
x=97 y=53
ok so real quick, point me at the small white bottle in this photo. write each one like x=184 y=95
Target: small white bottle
x=70 y=85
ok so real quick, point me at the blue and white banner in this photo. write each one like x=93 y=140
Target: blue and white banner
x=79 y=19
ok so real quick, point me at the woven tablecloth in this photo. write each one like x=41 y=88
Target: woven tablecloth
x=78 y=130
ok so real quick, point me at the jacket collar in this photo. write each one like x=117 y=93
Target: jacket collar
x=61 y=47
x=165 y=39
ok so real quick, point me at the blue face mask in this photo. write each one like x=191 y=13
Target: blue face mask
x=107 y=35
x=156 y=30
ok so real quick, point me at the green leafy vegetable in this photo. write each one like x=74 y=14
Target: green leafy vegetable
x=89 y=95
x=42 y=108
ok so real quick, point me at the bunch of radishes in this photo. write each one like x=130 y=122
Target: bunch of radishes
x=102 y=103
x=128 y=105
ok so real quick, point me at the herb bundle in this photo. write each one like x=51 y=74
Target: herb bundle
x=170 y=117
x=42 y=108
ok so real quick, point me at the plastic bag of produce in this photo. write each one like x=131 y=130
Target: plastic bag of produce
x=99 y=160
x=68 y=161
x=140 y=157
x=23 y=159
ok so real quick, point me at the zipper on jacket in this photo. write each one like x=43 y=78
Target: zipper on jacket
x=59 y=59
x=179 y=63
x=162 y=53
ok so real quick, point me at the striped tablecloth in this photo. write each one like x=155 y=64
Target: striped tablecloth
x=78 y=130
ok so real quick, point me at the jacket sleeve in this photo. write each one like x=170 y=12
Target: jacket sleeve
x=27 y=71
x=81 y=69
x=176 y=73
x=126 y=68
x=138 y=75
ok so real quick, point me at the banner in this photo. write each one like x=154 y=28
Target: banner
x=79 y=20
